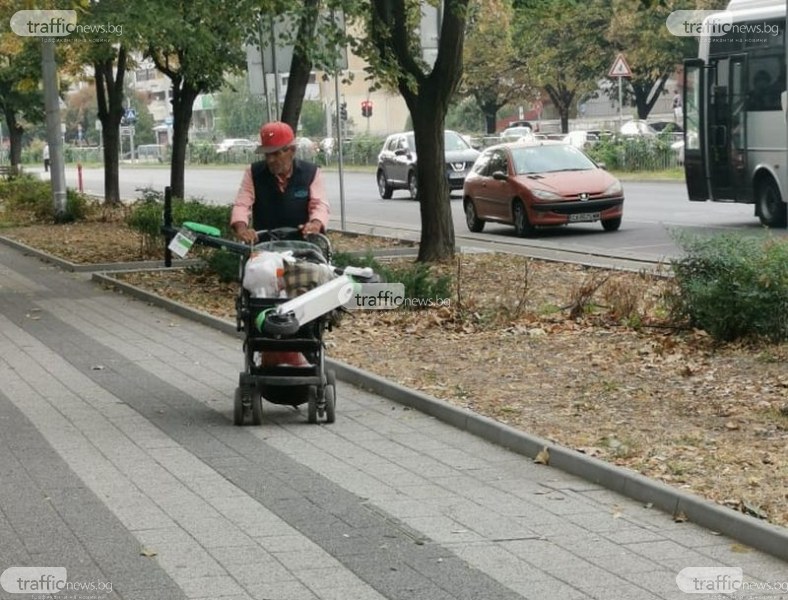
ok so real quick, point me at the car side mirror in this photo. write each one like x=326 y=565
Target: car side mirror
x=602 y=166
x=400 y=152
x=500 y=176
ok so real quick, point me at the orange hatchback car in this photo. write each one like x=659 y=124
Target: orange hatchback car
x=531 y=185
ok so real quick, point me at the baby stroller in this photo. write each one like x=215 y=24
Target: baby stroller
x=284 y=353
x=284 y=361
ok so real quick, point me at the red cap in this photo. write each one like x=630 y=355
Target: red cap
x=275 y=136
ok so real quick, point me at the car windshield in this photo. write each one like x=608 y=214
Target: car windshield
x=546 y=159
x=451 y=140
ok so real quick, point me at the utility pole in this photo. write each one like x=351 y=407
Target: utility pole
x=54 y=137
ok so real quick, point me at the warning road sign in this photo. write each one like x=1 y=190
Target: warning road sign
x=620 y=68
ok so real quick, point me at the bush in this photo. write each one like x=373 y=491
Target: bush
x=419 y=281
x=28 y=199
x=147 y=215
x=733 y=286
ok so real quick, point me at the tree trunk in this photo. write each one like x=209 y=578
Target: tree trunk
x=15 y=132
x=642 y=90
x=300 y=66
x=183 y=96
x=109 y=99
x=111 y=141
x=437 y=227
x=490 y=120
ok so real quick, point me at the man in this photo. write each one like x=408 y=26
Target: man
x=279 y=191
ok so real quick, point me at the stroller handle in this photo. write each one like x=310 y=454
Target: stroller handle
x=243 y=249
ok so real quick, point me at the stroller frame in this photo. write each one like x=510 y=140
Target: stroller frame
x=312 y=384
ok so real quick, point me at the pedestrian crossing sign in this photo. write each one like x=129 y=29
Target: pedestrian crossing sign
x=620 y=68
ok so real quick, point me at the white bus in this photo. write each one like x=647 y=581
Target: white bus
x=734 y=126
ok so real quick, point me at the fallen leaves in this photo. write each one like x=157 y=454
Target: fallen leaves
x=666 y=403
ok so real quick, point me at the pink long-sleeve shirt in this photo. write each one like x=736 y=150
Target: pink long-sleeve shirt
x=318 y=206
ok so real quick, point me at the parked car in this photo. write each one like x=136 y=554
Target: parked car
x=397 y=162
x=513 y=134
x=236 y=145
x=581 y=139
x=637 y=127
x=531 y=185
x=666 y=126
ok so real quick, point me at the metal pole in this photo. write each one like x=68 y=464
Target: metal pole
x=340 y=155
x=275 y=69
x=265 y=75
x=167 y=226
x=54 y=137
x=620 y=103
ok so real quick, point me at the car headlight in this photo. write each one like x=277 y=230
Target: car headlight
x=545 y=195
x=614 y=189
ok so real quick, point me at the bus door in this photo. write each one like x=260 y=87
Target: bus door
x=726 y=128
x=695 y=138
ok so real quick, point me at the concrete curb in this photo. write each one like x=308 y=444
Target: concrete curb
x=748 y=530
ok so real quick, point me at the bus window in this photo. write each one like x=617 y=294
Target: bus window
x=763 y=91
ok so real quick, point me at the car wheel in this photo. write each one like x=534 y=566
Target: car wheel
x=522 y=226
x=771 y=208
x=383 y=186
x=611 y=224
x=412 y=187
x=475 y=224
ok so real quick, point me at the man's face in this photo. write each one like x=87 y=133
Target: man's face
x=281 y=161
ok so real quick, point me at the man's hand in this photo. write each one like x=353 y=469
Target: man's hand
x=245 y=234
x=313 y=226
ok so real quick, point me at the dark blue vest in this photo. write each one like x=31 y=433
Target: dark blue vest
x=273 y=208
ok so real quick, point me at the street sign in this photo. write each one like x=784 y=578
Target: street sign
x=620 y=68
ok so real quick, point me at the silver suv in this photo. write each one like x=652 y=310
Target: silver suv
x=397 y=162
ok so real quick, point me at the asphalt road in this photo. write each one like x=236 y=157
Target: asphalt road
x=654 y=210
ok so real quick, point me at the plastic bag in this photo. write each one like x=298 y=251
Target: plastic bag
x=264 y=275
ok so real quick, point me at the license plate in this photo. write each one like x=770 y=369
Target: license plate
x=455 y=175
x=583 y=217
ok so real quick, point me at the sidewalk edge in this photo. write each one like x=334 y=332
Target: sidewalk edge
x=760 y=535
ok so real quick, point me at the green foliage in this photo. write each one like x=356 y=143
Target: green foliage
x=147 y=215
x=465 y=115
x=419 y=281
x=634 y=153
x=313 y=119
x=202 y=153
x=224 y=264
x=733 y=286
x=239 y=114
x=363 y=149
x=28 y=199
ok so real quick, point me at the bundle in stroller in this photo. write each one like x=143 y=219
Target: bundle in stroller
x=283 y=314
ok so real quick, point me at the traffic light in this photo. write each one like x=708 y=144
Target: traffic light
x=343 y=111
x=366 y=108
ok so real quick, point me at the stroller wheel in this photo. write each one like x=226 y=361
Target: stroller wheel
x=312 y=405
x=280 y=324
x=257 y=407
x=330 y=404
x=238 y=408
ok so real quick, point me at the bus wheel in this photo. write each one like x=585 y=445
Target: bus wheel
x=771 y=208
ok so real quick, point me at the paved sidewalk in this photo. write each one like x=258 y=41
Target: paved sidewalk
x=119 y=462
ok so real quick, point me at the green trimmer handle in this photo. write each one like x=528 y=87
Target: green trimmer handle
x=202 y=228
